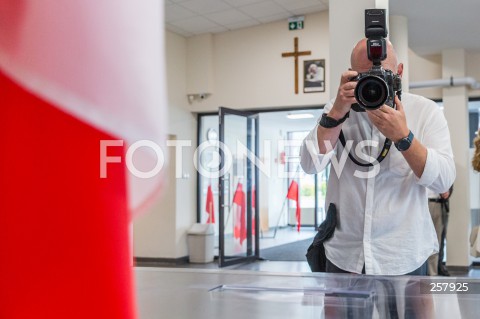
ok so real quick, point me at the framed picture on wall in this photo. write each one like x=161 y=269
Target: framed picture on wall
x=314 y=76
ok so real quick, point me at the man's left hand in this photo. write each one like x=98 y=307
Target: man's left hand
x=390 y=122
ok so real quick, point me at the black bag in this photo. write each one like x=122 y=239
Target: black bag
x=316 y=252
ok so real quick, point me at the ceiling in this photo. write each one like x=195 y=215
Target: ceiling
x=190 y=17
x=434 y=25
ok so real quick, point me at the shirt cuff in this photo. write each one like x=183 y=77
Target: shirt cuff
x=430 y=171
x=311 y=160
x=315 y=150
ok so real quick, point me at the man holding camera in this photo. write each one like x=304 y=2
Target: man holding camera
x=383 y=221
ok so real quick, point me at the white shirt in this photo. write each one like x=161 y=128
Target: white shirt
x=432 y=194
x=383 y=221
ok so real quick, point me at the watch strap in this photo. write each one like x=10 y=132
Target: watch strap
x=329 y=122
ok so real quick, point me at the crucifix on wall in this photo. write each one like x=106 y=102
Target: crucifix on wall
x=296 y=54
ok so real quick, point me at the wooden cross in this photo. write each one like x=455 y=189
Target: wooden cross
x=296 y=54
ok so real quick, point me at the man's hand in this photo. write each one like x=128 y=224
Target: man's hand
x=445 y=195
x=342 y=105
x=345 y=96
x=392 y=123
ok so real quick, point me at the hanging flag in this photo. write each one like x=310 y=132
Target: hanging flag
x=73 y=74
x=209 y=206
x=239 y=226
x=294 y=195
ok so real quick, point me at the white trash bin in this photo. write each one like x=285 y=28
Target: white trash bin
x=200 y=240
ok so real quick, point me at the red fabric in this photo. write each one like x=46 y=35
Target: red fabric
x=293 y=195
x=64 y=242
x=239 y=228
x=209 y=206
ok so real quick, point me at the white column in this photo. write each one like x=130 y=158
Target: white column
x=347 y=27
x=455 y=101
x=399 y=38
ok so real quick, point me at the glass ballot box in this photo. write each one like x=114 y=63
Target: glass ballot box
x=194 y=293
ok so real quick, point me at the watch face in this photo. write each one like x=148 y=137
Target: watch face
x=403 y=144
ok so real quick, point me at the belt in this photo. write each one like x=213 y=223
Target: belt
x=436 y=200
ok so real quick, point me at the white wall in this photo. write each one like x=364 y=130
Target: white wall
x=183 y=124
x=423 y=68
x=154 y=231
x=161 y=232
x=247 y=63
x=473 y=70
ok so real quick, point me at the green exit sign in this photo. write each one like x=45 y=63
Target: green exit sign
x=296 y=23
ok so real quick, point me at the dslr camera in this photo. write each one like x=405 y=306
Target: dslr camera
x=377 y=86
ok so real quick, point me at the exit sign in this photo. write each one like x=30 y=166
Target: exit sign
x=296 y=23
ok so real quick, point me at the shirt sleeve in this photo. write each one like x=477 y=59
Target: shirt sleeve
x=439 y=172
x=311 y=160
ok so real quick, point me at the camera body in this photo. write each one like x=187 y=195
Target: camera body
x=377 y=86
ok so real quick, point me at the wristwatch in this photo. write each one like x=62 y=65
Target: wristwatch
x=329 y=122
x=404 y=143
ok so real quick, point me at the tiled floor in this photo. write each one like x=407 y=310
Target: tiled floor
x=283 y=236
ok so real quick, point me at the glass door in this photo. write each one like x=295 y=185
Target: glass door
x=238 y=187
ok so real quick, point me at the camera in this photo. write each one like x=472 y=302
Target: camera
x=377 y=86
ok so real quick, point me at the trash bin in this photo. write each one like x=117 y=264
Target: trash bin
x=200 y=240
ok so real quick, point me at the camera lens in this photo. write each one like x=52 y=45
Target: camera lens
x=371 y=92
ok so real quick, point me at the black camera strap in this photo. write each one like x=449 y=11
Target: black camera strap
x=386 y=145
x=381 y=156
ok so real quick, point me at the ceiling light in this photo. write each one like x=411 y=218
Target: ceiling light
x=299 y=116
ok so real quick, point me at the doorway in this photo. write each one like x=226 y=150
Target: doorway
x=264 y=180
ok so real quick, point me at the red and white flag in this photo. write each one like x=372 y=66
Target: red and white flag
x=239 y=214
x=209 y=207
x=294 y=195
x=74 y=73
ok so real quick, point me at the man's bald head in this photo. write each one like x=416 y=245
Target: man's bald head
x=360 y=62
